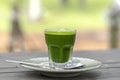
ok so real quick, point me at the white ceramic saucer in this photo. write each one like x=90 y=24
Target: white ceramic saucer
x=89 y=64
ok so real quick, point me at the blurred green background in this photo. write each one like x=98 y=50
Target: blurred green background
x=91 y=17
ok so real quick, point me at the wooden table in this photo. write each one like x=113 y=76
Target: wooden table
x=109 y=71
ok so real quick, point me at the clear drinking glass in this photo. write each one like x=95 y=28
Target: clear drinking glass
x=60 y=44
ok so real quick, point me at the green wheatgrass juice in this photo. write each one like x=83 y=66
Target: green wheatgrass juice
x=60 y=44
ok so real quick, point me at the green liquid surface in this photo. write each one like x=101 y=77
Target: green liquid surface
x=60 y=45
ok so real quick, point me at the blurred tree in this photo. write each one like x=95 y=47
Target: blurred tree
x=16 y=32
x=114 y=16
x=83 y=3
x=64 y=2
x=114 y=30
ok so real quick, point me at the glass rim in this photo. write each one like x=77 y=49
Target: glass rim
x=59 y=30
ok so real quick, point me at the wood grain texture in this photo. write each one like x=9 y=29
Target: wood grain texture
x=109 y=71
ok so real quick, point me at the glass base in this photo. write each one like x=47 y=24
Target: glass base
x=57 y=65
x=68 y=65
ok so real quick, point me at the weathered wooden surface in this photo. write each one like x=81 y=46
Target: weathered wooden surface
x=109 y=71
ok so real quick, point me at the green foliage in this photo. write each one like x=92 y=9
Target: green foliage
x=56 y=15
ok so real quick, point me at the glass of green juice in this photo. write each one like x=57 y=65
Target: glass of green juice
x=60 y=44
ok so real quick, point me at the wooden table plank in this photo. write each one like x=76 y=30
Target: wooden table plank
x=109 y=71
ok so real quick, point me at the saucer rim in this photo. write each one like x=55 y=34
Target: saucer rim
x=99 y=64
